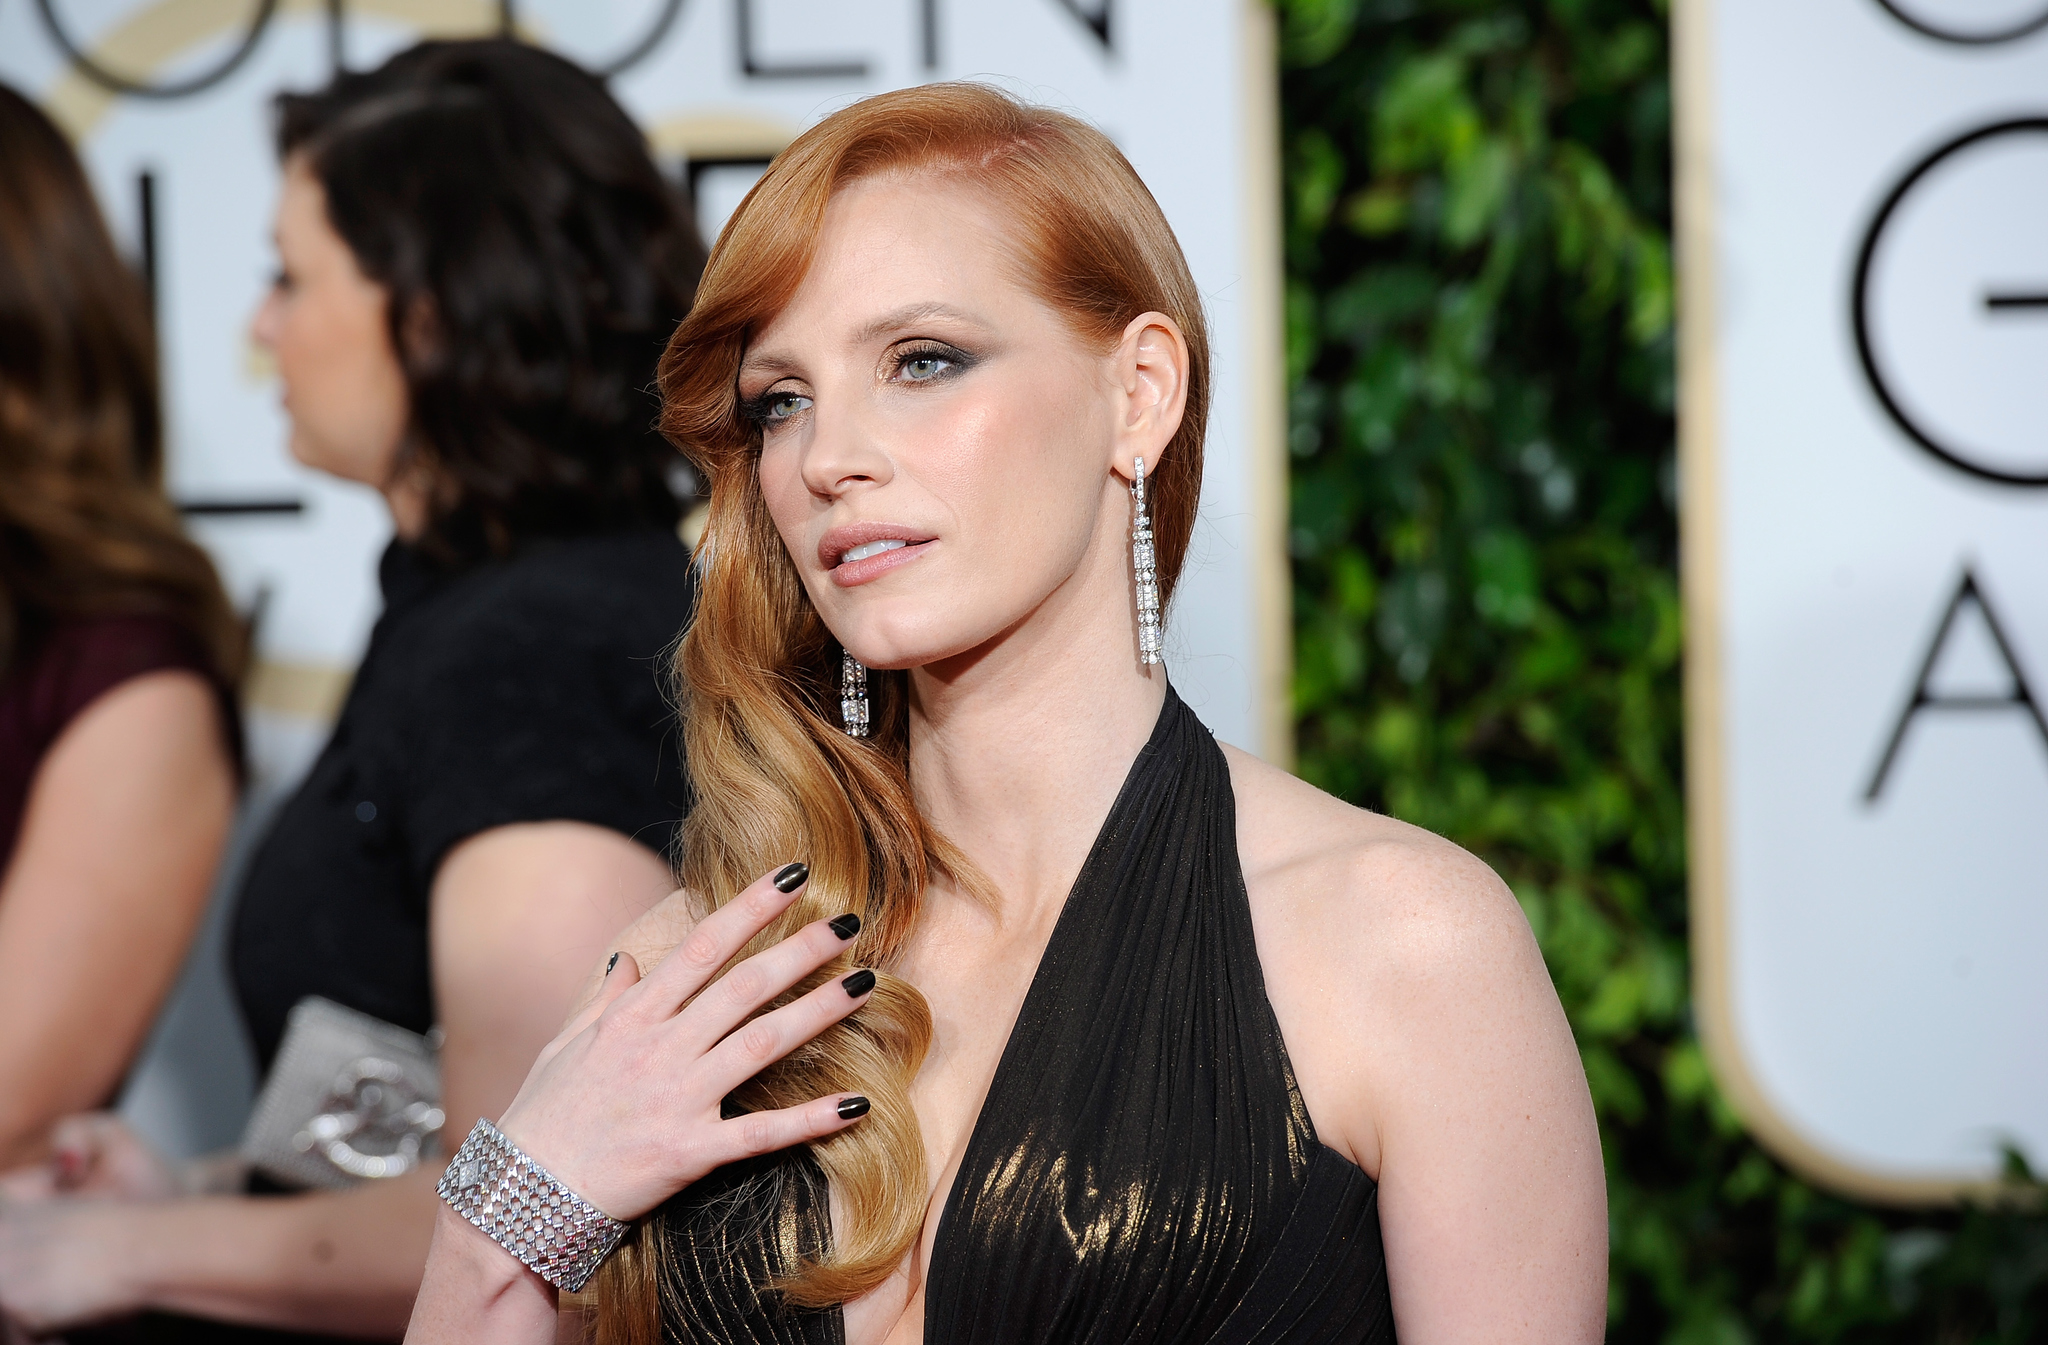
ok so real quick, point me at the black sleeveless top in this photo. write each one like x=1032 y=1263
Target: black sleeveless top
x=1143 y=1171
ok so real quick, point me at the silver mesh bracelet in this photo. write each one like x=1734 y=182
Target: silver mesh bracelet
x=519 y=1205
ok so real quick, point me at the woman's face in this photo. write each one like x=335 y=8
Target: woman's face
x=324 y=322
x=940 y=451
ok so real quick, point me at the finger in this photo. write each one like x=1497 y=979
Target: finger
x=620 y=974
x=29 y=1185
x=764 y=1132
x=715 y=941
x=741 y=992
x=772 y=1036
x=80 y=1146
x=84 y=1134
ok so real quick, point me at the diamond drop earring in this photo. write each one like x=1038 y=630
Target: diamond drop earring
x=853 y=695
x=1144 y=571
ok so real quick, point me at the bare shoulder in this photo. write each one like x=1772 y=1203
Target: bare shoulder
x=1367 y=883
x=1387 y=950
x=1431 y=1050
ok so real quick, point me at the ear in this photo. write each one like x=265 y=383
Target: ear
x=1151 y=370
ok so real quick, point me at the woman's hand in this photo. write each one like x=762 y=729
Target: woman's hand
x=65 y=1262
x=96 y=1154
x=624 y=1106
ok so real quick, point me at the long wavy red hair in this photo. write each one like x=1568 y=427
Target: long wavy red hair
x=773 y=775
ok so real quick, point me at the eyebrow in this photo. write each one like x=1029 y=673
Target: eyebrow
x=778 y=365
x=906 y=316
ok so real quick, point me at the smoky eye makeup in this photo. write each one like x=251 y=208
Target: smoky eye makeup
x=774 y=406
x=926 y=361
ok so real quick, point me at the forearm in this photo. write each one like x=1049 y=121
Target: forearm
x=91 y=940
x=475 y=1291
x=341 y=1262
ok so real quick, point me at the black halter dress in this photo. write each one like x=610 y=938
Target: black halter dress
x=1143 y=1171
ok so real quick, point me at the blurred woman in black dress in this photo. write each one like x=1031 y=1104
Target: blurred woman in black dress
x=480 y=265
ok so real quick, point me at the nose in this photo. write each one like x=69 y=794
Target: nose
x=263 y=322
x=842 y=455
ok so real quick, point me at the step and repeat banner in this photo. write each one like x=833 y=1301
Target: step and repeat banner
x=169 y=102
x=1863 y=190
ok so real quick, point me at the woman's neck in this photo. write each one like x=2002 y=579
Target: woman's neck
x=1018 y=750
x=407 y=494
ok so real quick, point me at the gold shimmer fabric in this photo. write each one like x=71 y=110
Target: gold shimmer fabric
x=1143 y=1170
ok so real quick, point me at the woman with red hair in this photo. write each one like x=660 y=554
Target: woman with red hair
x=1001 y=1003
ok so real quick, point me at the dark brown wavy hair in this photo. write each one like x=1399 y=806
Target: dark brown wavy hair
x=536 y=262
x=772 y=773
x=85 y=528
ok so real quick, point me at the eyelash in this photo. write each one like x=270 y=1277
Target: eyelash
x=958 y=360
x=756 y=409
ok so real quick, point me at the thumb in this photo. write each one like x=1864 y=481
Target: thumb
x=621 y=973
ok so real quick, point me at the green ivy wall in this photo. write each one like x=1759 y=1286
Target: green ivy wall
x=1487 y=623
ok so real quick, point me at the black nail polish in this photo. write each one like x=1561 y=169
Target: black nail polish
x=852 y=1107
x=859 y=983
x=609 y=965
x=846 y=926
x=790 y=877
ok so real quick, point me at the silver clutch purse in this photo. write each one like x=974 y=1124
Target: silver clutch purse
x=350 y=1099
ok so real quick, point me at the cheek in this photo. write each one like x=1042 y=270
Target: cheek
x=782 y=488
x=343 y=385
x=1026 y=473
x=315 y=350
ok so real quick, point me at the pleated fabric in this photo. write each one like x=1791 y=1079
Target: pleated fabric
x=1143 y=1169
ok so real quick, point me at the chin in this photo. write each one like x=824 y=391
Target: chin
x=894 y=650
x=303 y=453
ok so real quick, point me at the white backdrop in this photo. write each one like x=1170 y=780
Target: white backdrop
x=1864 y=237
x=1184 y=86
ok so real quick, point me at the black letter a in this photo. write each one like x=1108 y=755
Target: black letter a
x=2020 y=697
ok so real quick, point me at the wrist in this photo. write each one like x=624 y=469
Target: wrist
x=519 y=1204
x=474 y=1290
x=465 y=1254
x=216 y=1174
x=137 y=1241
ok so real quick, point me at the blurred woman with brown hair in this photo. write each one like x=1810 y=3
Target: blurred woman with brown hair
x=117 y=655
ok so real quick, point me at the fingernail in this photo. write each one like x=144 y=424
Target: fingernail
x=846 y=926
x=790 y=877
x=859 y=983
x=852 y=1107
x=609 y=965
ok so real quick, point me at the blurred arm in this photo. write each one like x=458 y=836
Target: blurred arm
x=519 y=915
x=123 y=831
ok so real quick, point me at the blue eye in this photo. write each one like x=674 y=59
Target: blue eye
x=929 y=362
x=783 y=406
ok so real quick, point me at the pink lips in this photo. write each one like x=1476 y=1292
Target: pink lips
x=846 y=537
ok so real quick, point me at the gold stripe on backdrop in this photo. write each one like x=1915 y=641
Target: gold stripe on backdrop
x=300 y=690
x=1702 y=525
x=1272 y=590
x=154 y=35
